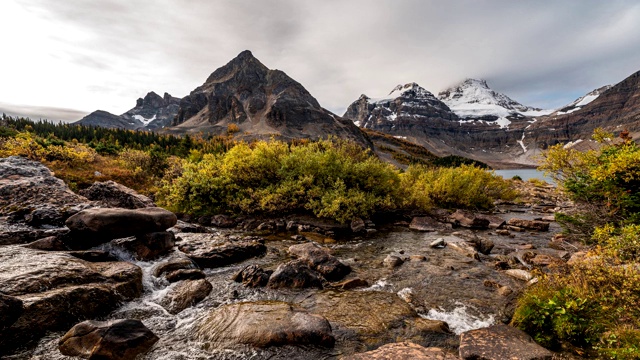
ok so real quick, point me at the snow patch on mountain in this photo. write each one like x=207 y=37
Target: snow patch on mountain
x=144 y=120
x=580 y=102
x=473 y=99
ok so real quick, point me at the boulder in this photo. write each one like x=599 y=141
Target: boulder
x=495 y=222
x=211 y=250
x=464 y=249
x=403 y=351
x=468 y=219
x=263 y=324
x=185 y=294
x=114 y=340
x=357 y=225
x=174 y=263
x=387 y=318
x=252 y=276
x=149 y=246
x=222 y=221
x=500 y=342
x=529 y=224
x=320 y=260
x=424 y=223
x=50 y=243
x=10 y=311
x=484 y=245
x=112 y=194
x=294 y=274
x=185 y=274
x=30 y=192
x=96 y=226
x=185 y=227
x=438 y=243
x=392 y=261
x=93 y=255
x=57 y=290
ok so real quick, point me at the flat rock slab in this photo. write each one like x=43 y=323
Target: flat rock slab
x=500 y=342
x=469 y=219
x=114 y=340
x=212 y=251
x=96 y=226
x=263 y=324
x=403 y=351
x=425 y=224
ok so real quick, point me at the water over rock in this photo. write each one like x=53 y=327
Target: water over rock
x=149 y=246
x=57 y=290
x=468 y=219
x=114 y=195
x=113 y=340
x=263 y=324
x=529 y=224
x=252 y=276
x=500 y=342
x=295 y=274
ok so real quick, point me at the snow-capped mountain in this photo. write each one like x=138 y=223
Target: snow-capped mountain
x=580 y=102
x=405 y=103
x=473 y=100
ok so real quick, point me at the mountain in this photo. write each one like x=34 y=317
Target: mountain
x=473 y=100
x=614 y=109
x=246 y=97
x=150 y=113
x=580 y=102
x=407 y=108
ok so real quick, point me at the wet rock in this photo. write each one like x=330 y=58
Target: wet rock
x=96 y=226
x=320 y=260
x=484 y=245
x=464 y=249
x=10 y=311
x=57 y=290
x=93 y=255
x=439 y=242
x=519 y=274
x=515 y=228
x=418 y=258
x=185 y=274
x=117 y=340
x=149 y=246
x=503 y=232
x=185 y=227
x=505 y=291
x=185 y=294
x=550 y=218
x=20 y=233
x=294 y=274
x=495 y=221
x=357 y=225
x=263 y=324
x=424 y=223
x=403 y=351
x=298 y=238
x=500 y=342
x=212 y=251
x=173 y=264
x=529 y=224
x=252 y=276
x=29 y=191
x=392 y=261
x=351 y=284
x=387 y=318
x=468 y=219
x=112 y=194
x=222 y=221
x=50 y=243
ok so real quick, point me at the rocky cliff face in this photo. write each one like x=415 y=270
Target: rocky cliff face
x=614 y=109
x=150 y=113
x=254 y=101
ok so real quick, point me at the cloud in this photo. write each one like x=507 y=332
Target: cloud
x=42 y=112
x=106 y=53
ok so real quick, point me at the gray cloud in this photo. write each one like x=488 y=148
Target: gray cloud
x=542 y=53
x=42 y=112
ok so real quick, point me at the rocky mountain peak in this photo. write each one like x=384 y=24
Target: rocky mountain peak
x=245 y=65
x=410 y=90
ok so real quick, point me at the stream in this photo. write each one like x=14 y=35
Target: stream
x=438 y=283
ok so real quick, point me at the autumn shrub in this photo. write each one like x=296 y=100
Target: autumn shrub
x=49 y=150
x=466 y=186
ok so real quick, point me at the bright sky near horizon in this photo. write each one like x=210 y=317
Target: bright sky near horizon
x=64 y=59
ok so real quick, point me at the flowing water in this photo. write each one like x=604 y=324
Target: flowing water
x=447 y=286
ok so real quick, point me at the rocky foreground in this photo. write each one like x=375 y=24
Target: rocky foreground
x=105 y=274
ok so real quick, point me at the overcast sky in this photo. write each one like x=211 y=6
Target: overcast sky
x=62 y=59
